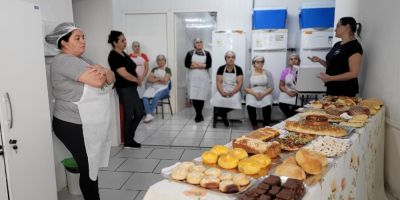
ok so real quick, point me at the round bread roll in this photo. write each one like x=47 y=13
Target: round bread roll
x=290 y=170
x=213 y=172
x=262 y=159
x=225 y=176
x=316 y=120
x=227 y=186
x=210 y=182
x=179 y=174
x=304 y=155
x=228 y=161
x=185 y=165
x=358 y=110
x=239 y=153
x=312 y=166
x=290 y=159
x=249 y=166
x=219 y=149
x=197 y=168
x=241 y=179
x=194 y=177
x=209 y=157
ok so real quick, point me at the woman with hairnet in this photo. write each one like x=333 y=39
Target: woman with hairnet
x=83 y=106
x=198 y=61
x=229 y=83
x=259 y=86
x=126 y=84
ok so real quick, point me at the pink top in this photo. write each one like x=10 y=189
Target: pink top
x=285 y=72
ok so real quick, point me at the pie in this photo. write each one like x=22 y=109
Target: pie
x=294 y=141
x=329 y=130
x=264 y=134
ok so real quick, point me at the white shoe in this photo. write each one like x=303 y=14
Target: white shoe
x=148 y=118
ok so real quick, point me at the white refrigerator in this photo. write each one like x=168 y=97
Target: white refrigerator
x=223 y=41
x=315 y=42
x=26 y=155
x=272 y=45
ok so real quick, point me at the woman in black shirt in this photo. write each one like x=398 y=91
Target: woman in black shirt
x=343 y=62
x=126 y=83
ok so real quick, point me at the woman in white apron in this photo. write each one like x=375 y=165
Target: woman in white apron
x=259 y=86
x=229 y=83
x=84 y=109
x=142 y=66
x=287 y=97
x=198 y=61
x=158 y=80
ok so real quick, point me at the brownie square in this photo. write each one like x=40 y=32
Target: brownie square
x=274 y=190
x=264 y=186
x=265 y=197
x=273 y=180
x=287 y=194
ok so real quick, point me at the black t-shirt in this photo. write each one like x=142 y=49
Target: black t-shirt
x=238 y=70
x=337 y=61
x=116 y=61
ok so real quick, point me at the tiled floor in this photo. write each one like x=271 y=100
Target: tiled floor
x=176 y=138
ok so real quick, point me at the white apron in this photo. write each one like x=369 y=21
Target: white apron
x=97 y=112
x=139 y=60
x=228 y=84
x=283 y=97
x=199 y=80
x=260 y=82
x=156 y=87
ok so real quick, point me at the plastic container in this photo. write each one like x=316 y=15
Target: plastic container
x=269 y=19
x=72 y=174
x=317 y=17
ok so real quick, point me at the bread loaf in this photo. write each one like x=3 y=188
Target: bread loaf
x=329 y=130
x=290 y=170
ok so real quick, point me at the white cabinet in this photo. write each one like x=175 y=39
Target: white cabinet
x=24 y=107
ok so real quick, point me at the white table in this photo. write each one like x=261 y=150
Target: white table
x=358 y=174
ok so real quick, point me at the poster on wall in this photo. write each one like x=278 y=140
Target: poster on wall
x=48 y=27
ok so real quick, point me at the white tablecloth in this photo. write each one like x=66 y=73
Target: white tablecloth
x=358 y=174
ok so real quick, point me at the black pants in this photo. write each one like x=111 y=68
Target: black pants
x=133 y=111
x=288 y=109
x=198 y=107
x=221 y=112
x=253 y=115
x=71 y=135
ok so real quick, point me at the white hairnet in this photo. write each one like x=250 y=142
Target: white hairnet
x=60 y=31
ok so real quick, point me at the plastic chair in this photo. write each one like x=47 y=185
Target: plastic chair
x=166 y=100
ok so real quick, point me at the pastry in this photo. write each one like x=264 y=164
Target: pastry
x=194 y=177
x=213 y=172
x=264 y=134
x=317 y=130
x=290 y=170
x=197 y=168
x=179 y=174
x=329 y=146
x=241 y=179
x=372 y=103
x=186 y=165
x=360 y=118
x=273 y=149
x=225 y=176
x=250 y=145
x=249 y=166
x=262 y=159
x=227 y=186
x=353 y=124
x=290 y=159
x=219 y=149
x=316 y=104
x=358 y=110
x=238 y=153
x=294 y=141
x=210 y=182
x=209 y=157
x=228 y=161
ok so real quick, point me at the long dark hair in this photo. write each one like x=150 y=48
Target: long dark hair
x=113 y=37
x=355 y=27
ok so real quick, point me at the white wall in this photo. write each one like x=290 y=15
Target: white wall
x=56 y=11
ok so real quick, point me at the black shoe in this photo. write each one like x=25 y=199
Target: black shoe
x=226 y=121
x=133 y=145
x=198 y=119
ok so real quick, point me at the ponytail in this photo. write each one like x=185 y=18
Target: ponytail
x=358 y=29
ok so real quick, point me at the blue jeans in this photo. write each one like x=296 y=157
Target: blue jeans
x=150 y=104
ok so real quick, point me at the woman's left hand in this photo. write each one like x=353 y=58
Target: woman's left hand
x=325 y=77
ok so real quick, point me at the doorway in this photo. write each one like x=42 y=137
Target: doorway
x=188 y=26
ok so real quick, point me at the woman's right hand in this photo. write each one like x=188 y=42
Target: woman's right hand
x=291 y=93
x=314 y=59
